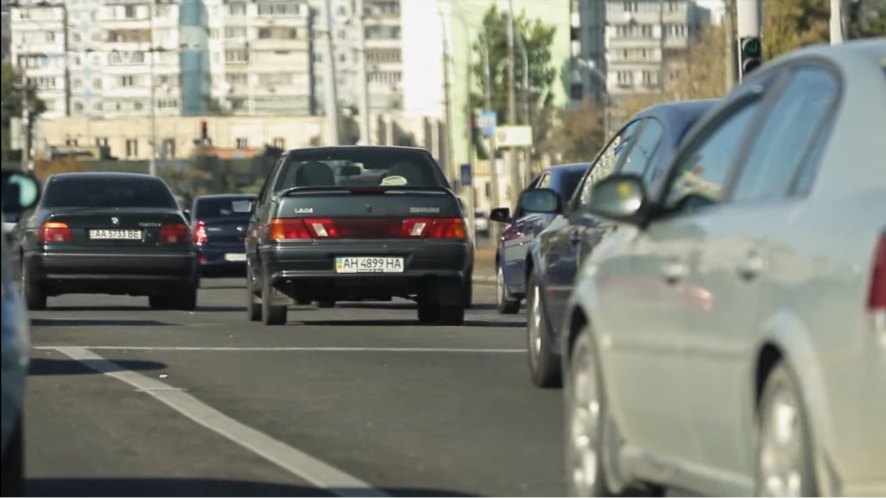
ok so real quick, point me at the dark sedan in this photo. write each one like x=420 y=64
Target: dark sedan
x=107 y=233
x=219 y=231
x=523 y=227
x=351 y=223
x=643 y=146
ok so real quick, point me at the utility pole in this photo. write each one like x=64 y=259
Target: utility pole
x=662 y=67
x=516 y=183
x=64 y=8
x=331 y=94
x=731 y=64
x=27 y=165
x=365 y=118
x=468 y=190
x=494 y=229
x=837 y=28
x=152 y=165
x=447 y=104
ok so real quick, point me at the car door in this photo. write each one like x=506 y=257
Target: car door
x=514 y=240
x=569 y=238
x=645 y=294
x=734 y=263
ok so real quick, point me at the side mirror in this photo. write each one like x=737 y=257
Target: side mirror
x=501 y=215
x=21 y=191
x=542 y=200
x=621 y=198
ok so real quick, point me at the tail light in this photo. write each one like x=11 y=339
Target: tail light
x=174 y=233
x=448 y=228
x=200 y=236
x=877 y=294
x=54 y=231
x=288 y=228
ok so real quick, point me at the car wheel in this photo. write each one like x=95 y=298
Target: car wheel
x=326 y=303
x=13 y=462
x=33 y=294
x=271 y=314
x=468 y=291
x=253 y=308
x=504 y=303
x=184 y=299
x=585 y=413
x=784 y=449
x=428 y=311
x=544 y=364
x=159 y=302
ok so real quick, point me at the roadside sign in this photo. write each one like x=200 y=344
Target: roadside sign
x=466 y=176
x=513 y=136
x=487 y=123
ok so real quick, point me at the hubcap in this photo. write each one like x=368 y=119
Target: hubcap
x=781 y=448
x=584 y=422
x=534 y=322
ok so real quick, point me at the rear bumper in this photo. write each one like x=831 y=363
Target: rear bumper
x=211 y=259
x=310 y=269
x=131 y=273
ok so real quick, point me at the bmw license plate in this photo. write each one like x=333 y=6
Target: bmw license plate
x=235 y=256
x=366 y=264
x=115 y=235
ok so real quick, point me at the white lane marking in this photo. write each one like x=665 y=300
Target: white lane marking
x=301 y=464
x=285 y=348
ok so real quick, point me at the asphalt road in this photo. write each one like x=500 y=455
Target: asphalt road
x=359 y=399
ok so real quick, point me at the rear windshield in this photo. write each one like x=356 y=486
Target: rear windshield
x=224 y=207
x=98 y=192
x=359 y=168
x=570 y=182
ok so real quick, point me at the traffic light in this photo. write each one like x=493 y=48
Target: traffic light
x=751 y=49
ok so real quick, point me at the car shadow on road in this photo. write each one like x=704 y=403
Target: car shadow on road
x=94 y=322
x=386 y=305
x=396 y=323
x=198 y=487
x=54 y=366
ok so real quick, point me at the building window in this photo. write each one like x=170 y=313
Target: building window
x=237 y=9
x=168 y=149
x=279 y=143
x=625 y=78
x=575 y=91
x=127 y=81
x=236 y=32
x=236 y=56
x=131 y=148
x=242 y=143
x=650 y=78
x=383 y=32
x=78 y=107
x=167 y=104
x=101 y=141
x=385 y=77
x=236 y=79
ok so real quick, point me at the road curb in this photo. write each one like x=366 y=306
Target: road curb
x=484 y=280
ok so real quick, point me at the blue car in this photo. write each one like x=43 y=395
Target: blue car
x=219 y=229
x=523 y=226
x=643 y=146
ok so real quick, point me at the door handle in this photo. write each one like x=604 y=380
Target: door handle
x=575 y=238
x=750 y=266
x=674 y=271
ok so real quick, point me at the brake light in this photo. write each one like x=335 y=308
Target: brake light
x=288 y=228
x=877 y=294
x=447 y=228
x=54 y=231
x=200 y=236
x=174 y=233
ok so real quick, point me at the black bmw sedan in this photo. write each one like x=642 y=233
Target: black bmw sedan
x=107 y=233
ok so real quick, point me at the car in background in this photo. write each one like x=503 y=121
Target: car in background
x=643 y=146
x=107 y=233
x=20 y=192
x=481 y=222
x=523 y=226
x=731 y=338
x=358 y=222
x=219 y=232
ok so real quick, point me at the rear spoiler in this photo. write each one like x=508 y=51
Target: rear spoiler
x=394 y=189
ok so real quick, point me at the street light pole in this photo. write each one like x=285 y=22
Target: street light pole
x=365 y=132
x=152 y=164
x=331 y=93
x=516 y=186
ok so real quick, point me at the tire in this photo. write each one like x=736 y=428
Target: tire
x=428 y=312
x=253 y=308
x=505 y=304
x=33 y=294
x=583 y=423
x=468 y=291
x=270 y=314
x=159 y=302
x=452 y=315
x=326 y=303
x=782 y=396
x=303 y=301
x=184 y=299
x=13 y=462
x=544 y=363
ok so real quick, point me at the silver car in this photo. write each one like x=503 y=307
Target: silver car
x=730 y=339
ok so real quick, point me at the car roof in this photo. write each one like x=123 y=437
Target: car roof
x=223 y=196
x=564 y=168
x=673 y=114
x=102 y=174
x=360 y=147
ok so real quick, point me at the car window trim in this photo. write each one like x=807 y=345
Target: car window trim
x=646 y=121
x=576 y=195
